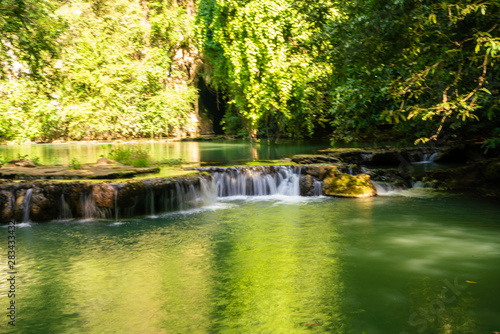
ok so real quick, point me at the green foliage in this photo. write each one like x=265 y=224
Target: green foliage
x=113 y=74
x=171 y=162
x=417 y=69
x=82 y=69
x=29 y=31
x=425 y=69
x=75 y=164
x=134 y=156
x=263 y=57
x=36 y=161
x=4 y=160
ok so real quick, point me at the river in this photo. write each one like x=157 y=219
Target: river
x=415 y=261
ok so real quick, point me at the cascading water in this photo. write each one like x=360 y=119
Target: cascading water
x=64 y=210
x=386 y=188
x=257 y=181
x=428 y=159
x=150 y=199
x=90 y=208
x=156 y=196
x=116 y=204
x=317 y=188
x=26 y=206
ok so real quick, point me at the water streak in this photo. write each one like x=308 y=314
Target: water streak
x=64 y=210
x=27 y=206
x=116 y=204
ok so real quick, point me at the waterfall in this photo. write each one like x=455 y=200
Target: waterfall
x=428 y=159
x=90 y=208
x=64 y=210
x=317 y=188
x=433 y=156
x=26 y=206
x=257 y=181
x=150 y=199
x=156 y=196
x=208 y=191
x=116 y=204
x=385 y=188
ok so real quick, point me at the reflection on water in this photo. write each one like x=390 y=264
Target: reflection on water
x=375 y=265
x=208 y=152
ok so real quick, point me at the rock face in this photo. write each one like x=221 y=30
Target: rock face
x=55 y=200
x=482 y=177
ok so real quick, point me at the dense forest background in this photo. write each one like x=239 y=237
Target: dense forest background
x=410 y=70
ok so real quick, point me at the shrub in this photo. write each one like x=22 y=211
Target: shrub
x=134 y=156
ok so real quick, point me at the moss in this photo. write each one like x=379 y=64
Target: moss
x=345 y=185
x=257 y=163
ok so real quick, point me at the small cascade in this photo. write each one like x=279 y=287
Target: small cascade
x=257 y=181
x=429 y=159
x=208 y=192
x=160 y=195
x=386 y=188
x=179 y=196
x=317 y=188
x=150 y=199
x=64 y=210
x=90 y=208
x=116 y=204
x=27 y=206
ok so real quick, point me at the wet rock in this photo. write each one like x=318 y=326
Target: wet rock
x=130 y=193
x=45 y=201
x=396 y=177
x=104 y=195
x=7 y=206
x=306 y=184
x=483 y=177
x=315 y=171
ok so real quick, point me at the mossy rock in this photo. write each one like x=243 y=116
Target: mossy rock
x=345 y=185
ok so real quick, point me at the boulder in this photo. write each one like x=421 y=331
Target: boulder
x=105 y=161
x=21 y=163
x=345 y=185
x=306 y=184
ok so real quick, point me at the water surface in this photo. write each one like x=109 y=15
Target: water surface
x=418 y=263
x=207 y=152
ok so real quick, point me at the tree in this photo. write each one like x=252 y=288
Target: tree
x=428 y=65
x=261 y=56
